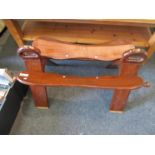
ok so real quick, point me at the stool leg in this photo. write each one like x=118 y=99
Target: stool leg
x=120 y=97
x=129 y=66
x=39 y=93
x=34 y=62
x=119 y=100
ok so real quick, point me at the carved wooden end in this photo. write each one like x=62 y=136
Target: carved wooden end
x=130 y=63
x=34 y=62
x=122 y=84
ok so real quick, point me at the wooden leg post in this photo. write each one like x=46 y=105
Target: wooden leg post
x=34 y=62
x=129 y=67
x=119 y=100
x=15 y=31
x=39 y=94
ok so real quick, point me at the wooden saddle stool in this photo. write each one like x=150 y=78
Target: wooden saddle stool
x=129 y=57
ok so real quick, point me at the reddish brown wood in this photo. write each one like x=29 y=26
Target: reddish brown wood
x=129 y=67
x=39 y=94
x=109 y=82
x=119 y=100
x=34 y=62
x=61 y=50
x=37 y=79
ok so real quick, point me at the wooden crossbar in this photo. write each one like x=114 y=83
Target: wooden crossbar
x=109 y=82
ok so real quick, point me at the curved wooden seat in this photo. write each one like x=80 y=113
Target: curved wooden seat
x=108 y=82
x=62 y=50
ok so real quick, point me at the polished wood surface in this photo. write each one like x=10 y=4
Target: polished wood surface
x=61 y=50
x=119 y=100
x=86 y=33
x=120 y=96
x=34 y=56
x=39 y=93
x=111 y=82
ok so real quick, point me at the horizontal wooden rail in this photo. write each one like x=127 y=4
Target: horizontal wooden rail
x=128 y=22
x=109 y=82
x=63 y=50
